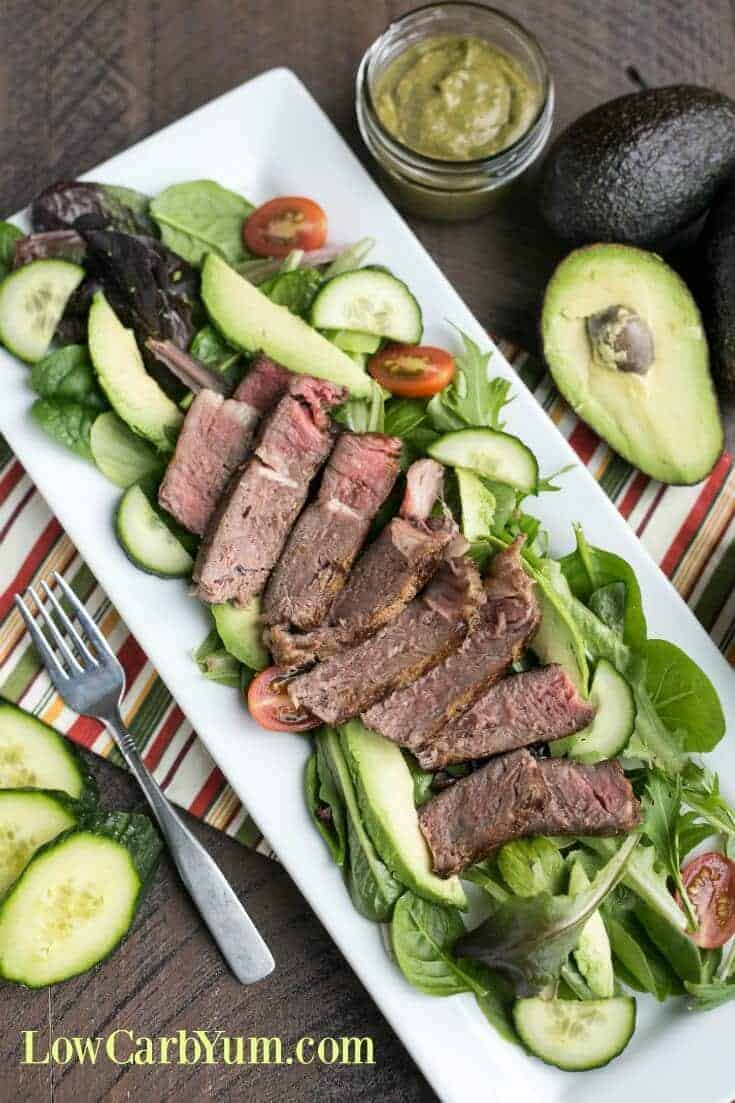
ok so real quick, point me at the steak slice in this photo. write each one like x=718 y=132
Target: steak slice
x=385 y=578
x=431 y=626
x=536 y=706
x=215 y=438
x=416 y=715
x=328 y=535
x=517 y=795
x=250 y=526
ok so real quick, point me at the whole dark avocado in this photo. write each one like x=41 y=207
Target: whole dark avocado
x=717 y=254
x=639 y=168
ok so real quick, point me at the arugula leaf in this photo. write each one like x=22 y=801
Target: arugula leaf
x=530 y=866
x=529 y=939
x=68 y=422
x=324 y=802
x=200 y=217
x=9 y=234
x=661 y=817
x=67 y=373
x=683 y=696
x=422 y=937
x=546 y=485
x=701 y=792
x=471 y=398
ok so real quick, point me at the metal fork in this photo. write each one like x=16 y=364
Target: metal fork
x=91 y=682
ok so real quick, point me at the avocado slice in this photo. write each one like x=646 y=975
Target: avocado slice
x=624 y=342
x=133 y=394
x=592 y=954
x=241 y=631
x=249 y=320
x=639 y=168
x=385 y=791
x=717 y=256
x=557 y=638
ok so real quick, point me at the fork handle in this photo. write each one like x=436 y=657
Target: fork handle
x=229 y=924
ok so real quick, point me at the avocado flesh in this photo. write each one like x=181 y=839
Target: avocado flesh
x=385 y=794
x=665 y=421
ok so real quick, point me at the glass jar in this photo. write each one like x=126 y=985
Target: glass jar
x=443 y=189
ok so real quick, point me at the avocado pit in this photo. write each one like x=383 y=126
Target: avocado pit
x=621 y=339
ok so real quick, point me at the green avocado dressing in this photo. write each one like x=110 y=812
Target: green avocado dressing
x=456 y=98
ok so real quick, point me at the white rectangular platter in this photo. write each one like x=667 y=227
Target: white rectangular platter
x=269 y=138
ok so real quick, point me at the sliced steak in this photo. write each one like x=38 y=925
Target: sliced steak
x=431 y=626
x=328 y=535
x=250 y=526
x=385 y=578
x=517 y=795
x=536 y=706
x=215 y=438
x=414 y=716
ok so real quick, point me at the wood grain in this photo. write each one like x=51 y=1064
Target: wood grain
x=81 y=81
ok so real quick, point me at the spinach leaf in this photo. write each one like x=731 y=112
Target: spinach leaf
x=295 y=290
x=472 y=398
x=123 y=457
x=214 y=352
x=530 y=866
x=67 y=373
x=404 y=415
x=68 y=422
x=633 y=949
x=608 y=605
x=528 y=939
x=136 y=201
x=683 y=696
x=589 y=569
x=325 y=803
x=371 y=885
x=662 y=812
x=215 y=663
x=422 y=938
x=200 y=217
x=9 y=234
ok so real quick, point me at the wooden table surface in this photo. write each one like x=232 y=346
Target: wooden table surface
x=82 y=80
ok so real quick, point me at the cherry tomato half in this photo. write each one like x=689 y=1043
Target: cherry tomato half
x=280 y=225
x=412 y=371
x=710 y=884
x=271 y=707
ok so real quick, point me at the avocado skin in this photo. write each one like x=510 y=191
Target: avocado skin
x=639 y=168
x=717 y=253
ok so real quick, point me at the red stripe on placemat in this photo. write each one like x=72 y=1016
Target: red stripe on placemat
x=178 y=760
x=696 y=515
x=40 y=549
x=207 y=793
x=633 y=494
x=169 y=727
x=85 y=731
x=584 y=442
x=651 y=510
x=132 y=659
x=11 y=479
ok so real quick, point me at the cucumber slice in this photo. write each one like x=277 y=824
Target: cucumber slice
x=28 y=819
x=490 y=453
x=32 y=300
x=133 y=394
x=249 y=320
x=76 y=899
x=477 y=503
x=147 y=540
x=575 y=1035
x=371 y=301
x=123 y=457
x=352 y=341
x=612 y=727
x=241 y=631
x=33 y=755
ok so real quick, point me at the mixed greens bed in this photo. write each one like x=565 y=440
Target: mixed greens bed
x=562 y=930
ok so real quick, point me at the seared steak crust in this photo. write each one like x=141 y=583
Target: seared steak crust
x=416 y=715
x=431 y=626
x=328 y=535
x=251 y=525
x=517 y=795
x=536 y=706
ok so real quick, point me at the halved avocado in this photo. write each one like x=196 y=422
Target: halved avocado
x=624 y=341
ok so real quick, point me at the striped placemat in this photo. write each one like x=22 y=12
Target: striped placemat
x=690 y=531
